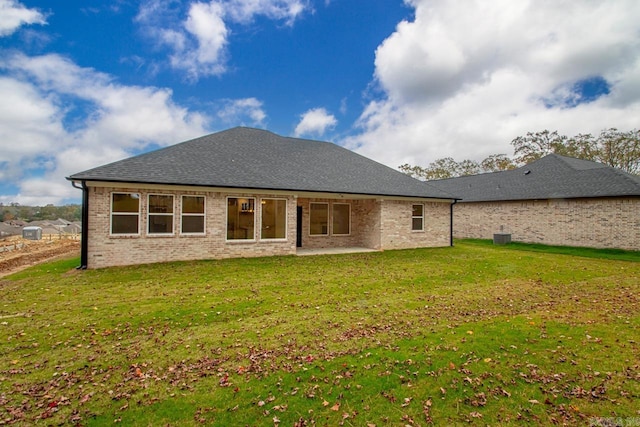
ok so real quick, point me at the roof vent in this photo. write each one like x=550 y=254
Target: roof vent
x=527 y=172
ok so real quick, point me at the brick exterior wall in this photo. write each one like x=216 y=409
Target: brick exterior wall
x=365 y=230
x=396 y=232
x=376 y=224
x=105 y=250
x=598 y=223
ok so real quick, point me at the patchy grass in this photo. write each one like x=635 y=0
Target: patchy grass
x=613 y=254
x=471 y=334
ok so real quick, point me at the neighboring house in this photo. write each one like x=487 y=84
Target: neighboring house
x=247 y=192
x=72 y=228
x=8 y=229
x=555 y=200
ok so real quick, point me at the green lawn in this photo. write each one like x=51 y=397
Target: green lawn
x=475 y=334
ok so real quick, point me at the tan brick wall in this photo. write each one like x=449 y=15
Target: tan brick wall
x=396 y=219
x=105 y=250
x=376 y=224
x=599 y=223
x=365 y=230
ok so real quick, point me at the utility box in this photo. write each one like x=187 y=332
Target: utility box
x=501 y=238
x=32 y=233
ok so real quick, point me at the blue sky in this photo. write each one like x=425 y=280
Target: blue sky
x=83 y=83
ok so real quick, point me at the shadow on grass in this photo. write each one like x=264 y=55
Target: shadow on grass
x=612 y=254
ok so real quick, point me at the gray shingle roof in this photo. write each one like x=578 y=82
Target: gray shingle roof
x=258 y=159
x=551 y=177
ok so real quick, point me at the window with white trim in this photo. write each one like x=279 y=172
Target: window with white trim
x=240 y=218
x=417 y=218
x=341 y=219
x=192 y=215
x=273 y=219
x=125 y=213
x=319 y=219
x=160 y=214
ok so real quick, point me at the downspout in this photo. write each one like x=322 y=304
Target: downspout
x=84 y=242
x=451 y=222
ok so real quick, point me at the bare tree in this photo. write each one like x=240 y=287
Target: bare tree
x=536 y=145
x=614 y=148
x=620 y=149
x=497 y=163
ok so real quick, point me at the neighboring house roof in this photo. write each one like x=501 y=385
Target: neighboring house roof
x=551 y=177
x=72 y=228
x=50 y=230
x=8 y=229
x=257 y=159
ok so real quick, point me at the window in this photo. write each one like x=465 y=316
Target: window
x=274 y=219
x=160 y=214
x=341 y=223
x=125 y=213
x=319 y=219
x=417 y=218
x=240 y=218
x=192 y=219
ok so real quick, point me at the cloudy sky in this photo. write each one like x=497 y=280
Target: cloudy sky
x=86 y=82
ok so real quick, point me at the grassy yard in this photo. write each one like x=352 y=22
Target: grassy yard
x=475 y=334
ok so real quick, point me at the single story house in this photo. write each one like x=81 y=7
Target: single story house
x=555 y=200
x=247 y=192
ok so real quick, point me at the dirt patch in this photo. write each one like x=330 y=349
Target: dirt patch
x=26 y=253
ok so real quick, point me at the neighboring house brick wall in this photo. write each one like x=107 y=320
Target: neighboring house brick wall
x=593 y=222
x=396 y=232
x=105 y=250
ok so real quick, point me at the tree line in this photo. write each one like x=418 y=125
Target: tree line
x=14 y=211
x=612 y=147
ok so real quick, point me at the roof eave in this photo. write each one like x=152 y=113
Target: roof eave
x=299 y=191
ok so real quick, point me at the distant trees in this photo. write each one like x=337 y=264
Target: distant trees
x=612 y=147
x=449 y=168
x=15 y=211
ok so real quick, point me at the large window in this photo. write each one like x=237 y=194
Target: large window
x=192 y=218
x=160 y=214
x=319 y=219
x=341 y=221
x=125 y=213
x=240 y=218
x=274 y=219
x=417 y=218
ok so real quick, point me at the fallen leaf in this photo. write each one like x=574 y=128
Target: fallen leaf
x=336 y=407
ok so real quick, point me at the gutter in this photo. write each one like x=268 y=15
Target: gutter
x=84 y=242
x=451 y=222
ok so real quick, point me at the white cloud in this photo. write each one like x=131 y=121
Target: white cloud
x=315 y=122
x=13 y=15
x=40 y=96
x=464 y=79
x=244 y=11
x=199 y=42
x=206 y=26
x=235 y=111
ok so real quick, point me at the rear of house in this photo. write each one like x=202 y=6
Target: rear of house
x=248 y=192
